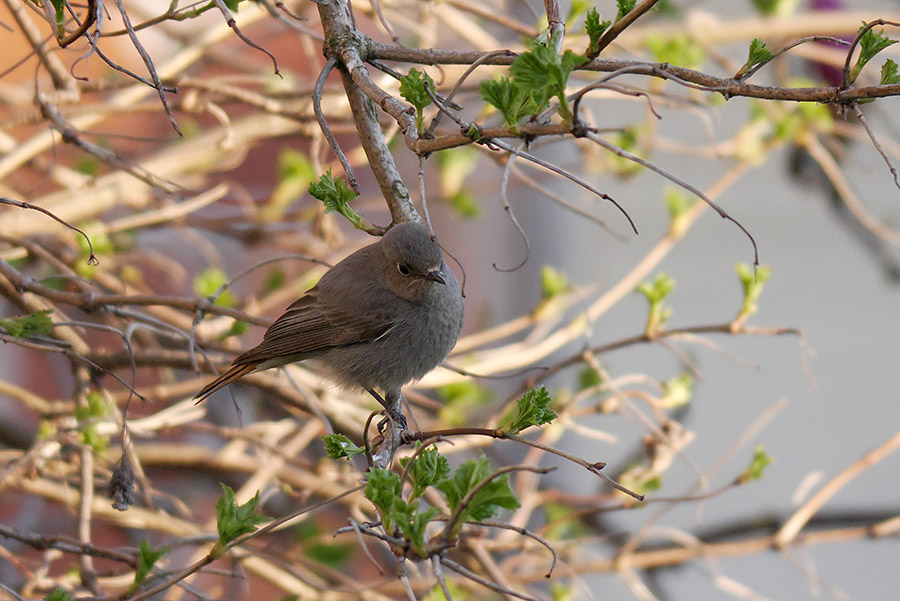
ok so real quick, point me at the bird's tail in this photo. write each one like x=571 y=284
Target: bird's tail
x=235 y=372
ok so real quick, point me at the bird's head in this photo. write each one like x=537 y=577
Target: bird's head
x=414 y=261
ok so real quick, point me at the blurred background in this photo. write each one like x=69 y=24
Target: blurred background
x=816 y=402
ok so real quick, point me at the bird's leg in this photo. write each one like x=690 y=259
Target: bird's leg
x=392 y=428
x=392 y=407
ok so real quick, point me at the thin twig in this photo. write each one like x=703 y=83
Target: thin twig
x=678 y=181
x=812 y=38
x=323 y=124
x=229 y=19
x=727 y=87
x=448 y=532
x=376 y=6
x=792 y=527
x=148 y=62
x=859 y=35
x=439 y=575
x=459 y=82
x=619 y=26
x=524 y=532
x=90 y=18
x=504 y=186
x=362 y=543
x=92 y=260
x=878 y=147
x=489 y=141
x=459 y=569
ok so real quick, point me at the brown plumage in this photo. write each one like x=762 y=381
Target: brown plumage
x=385 y=315
x=234 y=372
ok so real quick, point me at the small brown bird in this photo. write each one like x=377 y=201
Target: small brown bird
x=384 y=316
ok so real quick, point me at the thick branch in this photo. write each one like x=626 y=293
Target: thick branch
x=728 y=87
x=346 y=44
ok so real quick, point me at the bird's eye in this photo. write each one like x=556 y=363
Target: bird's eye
x=404 y=269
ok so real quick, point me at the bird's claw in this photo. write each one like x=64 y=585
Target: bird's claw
x=394 y=417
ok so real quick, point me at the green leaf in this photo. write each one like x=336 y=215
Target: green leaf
x=211 y=284
x=553 y=282
x=459 y=398
x=562 y=522
x=100 y=240
x=871 y=43
x=532 y=409
x=383 y=488
x=413 y=525
x=237 y=329
x=627 y=139
x=759 y=54
x=776 y=7
x=815 y=116
x=752 y=283
x=595 y=28
x=95 y=406
x=295 y=172
x=667 y=8
x=46 y=429
x=513 y=102
x=758 y=464
x=336 y=196
x=233 y=520
x=412 y=89
x=624 y=7
x=92 y=438
x=36 y=323
x=677 y=392
x=485 y=503
x=456 y=168
x=294 y=164
x=275 y=279
x=562 y=592
x=332 y=554
x=678 y=204
x=578 y=8
x=568 y=63
x=59 y=14
x=766 y=7
x=588 y=377
x=640 y=479
x=147 y=558
x=679 y=50
x=58 y=594
x=339 y=446
x=429 y=468
x=543 y=74
x=457 y=593
x=889 y=75
x=465 y=204
x=656 y=292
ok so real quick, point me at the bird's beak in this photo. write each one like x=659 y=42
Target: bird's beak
x=435 y=276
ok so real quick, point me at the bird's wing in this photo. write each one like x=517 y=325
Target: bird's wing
x=309 y=326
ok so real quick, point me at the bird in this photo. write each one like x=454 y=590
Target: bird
x=382 y=317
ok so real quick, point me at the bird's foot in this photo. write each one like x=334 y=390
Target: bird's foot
x=393 y=410
x=394 y=417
